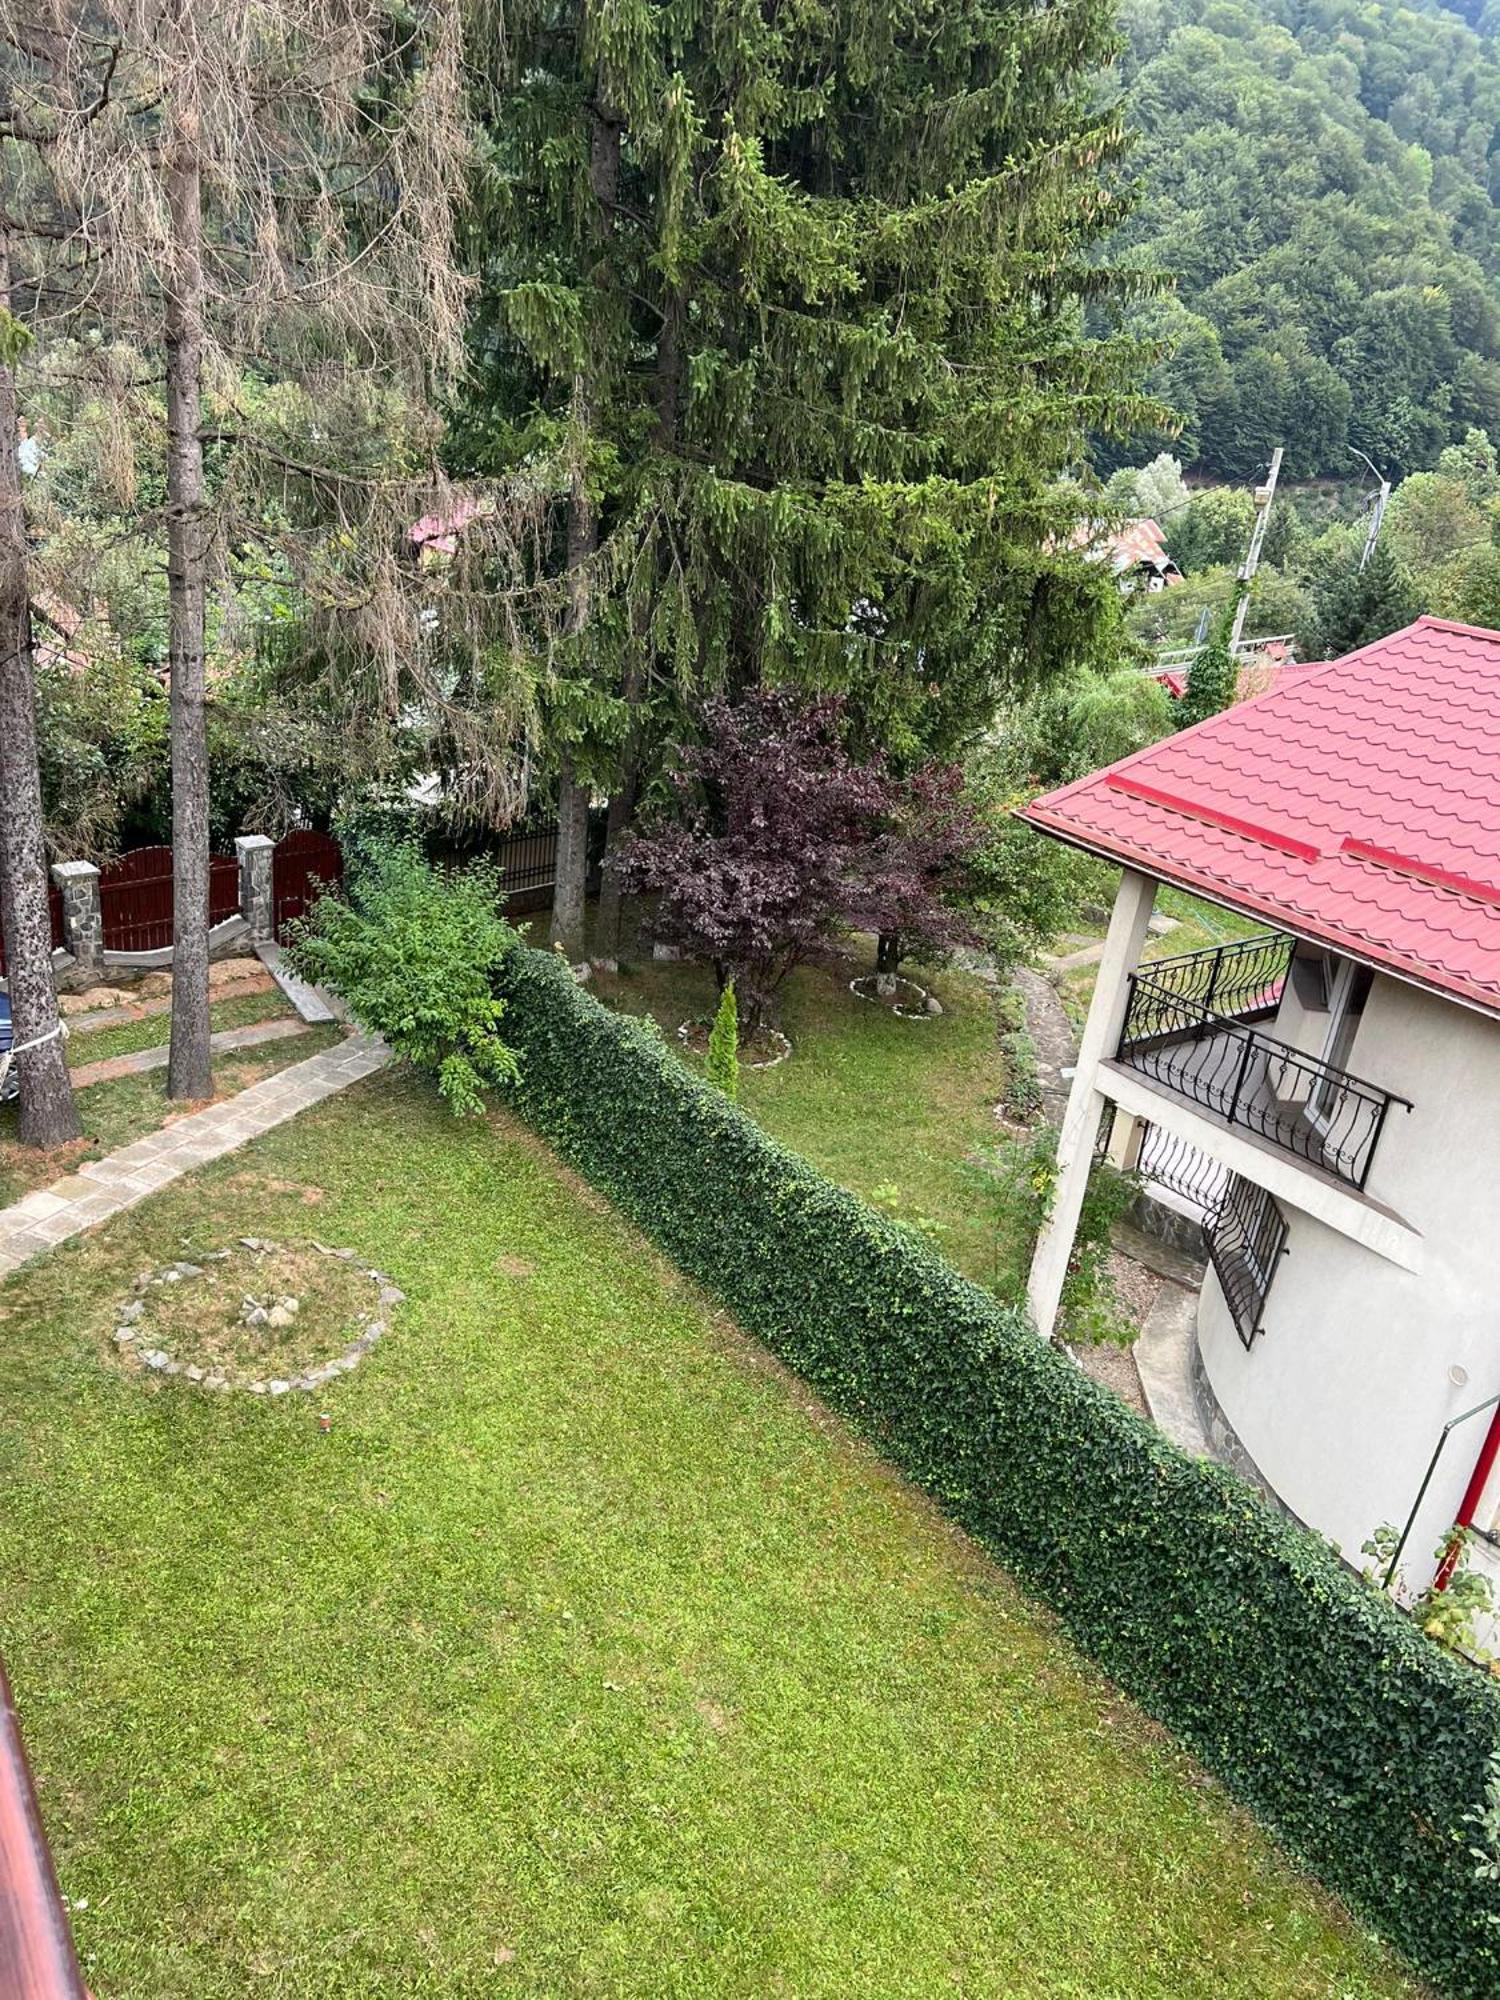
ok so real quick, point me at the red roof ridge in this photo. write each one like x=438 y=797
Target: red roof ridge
x=1420 y=871
x=1213 y=816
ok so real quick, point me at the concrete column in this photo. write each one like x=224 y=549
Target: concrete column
x=83 y=920
x=1075 y=1146
x=253 y=851
x=1125 y=1140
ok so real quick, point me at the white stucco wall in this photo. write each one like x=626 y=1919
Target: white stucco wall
x=1342 y=1398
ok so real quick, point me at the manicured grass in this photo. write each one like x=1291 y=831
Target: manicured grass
x=583 y=1656
x=1199 y=925
x=127 y=1107
x=897 y=1110
x=240 y=1010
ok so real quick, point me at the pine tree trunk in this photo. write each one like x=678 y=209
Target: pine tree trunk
x=622 y=804
x=608 y=916
x=571 y=874
x=570 y=871
x=189 y=1068
x=572 y=863
x=48 y=1115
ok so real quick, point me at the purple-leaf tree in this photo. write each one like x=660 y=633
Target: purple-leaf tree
x=782 y=840
x=913 y=876
x=760 y=866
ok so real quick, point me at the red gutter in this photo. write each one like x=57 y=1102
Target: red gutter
x=1468 y=1507
x=37 y=1960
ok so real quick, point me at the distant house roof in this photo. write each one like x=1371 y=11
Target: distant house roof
x=1138 y=544
x=1356 y=803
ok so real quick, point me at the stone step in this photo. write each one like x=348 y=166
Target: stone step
x=311 y=1002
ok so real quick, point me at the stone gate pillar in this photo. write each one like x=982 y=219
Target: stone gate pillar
x=83 y=920
x=254 y=852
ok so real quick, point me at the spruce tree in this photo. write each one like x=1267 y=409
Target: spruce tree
x=803 y=300
x=1359 y=606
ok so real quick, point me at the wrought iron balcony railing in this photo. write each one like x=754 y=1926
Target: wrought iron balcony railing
x=1242 y=978
x=1295 y=1102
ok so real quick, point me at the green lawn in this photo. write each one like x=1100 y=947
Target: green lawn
x=583 y=1656
x=895 y=1109
x=240 y=1010
x=126 y=1107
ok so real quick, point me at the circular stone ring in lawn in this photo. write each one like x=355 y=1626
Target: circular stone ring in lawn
x=906 y=998
x=769 y=1048
x=260 y=1316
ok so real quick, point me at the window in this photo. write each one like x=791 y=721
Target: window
x=1246 y=1240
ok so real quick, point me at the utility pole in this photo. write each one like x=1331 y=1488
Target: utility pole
x=1264 y=495
x=1377 y=512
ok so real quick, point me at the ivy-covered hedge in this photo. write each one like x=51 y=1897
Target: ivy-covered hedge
x=1359 y=1741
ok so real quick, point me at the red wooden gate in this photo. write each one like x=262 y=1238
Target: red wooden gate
x=135 y=897
x=303 y=865
x=55 y=911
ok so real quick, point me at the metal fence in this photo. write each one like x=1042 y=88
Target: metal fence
x=1297 y=1103
x=1242 y=978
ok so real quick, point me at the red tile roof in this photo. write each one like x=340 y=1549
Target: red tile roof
x=1357 y=803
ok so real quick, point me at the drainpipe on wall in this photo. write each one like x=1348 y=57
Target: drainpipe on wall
x=1468 y=1507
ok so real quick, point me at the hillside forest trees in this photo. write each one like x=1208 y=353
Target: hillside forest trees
x=1321 y=177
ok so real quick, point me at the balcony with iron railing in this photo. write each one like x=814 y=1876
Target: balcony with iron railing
x=1188 y=1027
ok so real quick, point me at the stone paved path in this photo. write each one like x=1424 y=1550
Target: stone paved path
x=140 y=1060
x=48 y=1217
x=1054 y=1039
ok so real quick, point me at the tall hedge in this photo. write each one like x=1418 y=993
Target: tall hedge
x=1357 y=1740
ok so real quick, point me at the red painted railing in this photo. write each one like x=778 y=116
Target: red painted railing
x=37 y=1960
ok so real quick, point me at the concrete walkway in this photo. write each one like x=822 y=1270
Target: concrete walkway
x=1163 y=1361
x=101 y=1189
x=141 y=1060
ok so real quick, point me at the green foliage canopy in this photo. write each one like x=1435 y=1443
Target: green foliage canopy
x=414 y=953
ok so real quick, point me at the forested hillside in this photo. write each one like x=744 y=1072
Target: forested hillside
x=1321 y=178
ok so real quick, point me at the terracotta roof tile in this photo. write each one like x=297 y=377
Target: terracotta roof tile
x=1394 y=749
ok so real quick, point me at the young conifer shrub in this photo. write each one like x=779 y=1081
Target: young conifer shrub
x=723 y=1068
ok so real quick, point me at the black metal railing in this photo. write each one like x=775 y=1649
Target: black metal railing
x=1295 y=1102
x=1169 y=1162
x=1246 y=1240
x=1242 y=978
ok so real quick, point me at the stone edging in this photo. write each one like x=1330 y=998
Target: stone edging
x=131 y=1329
x=685 y=1028
x=928 y=1010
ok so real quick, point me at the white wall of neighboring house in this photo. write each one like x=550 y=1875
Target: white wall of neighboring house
x=1341 y=1399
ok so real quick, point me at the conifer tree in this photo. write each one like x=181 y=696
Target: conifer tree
x=1358 y=606
x=805 y=298
x=723 y=1066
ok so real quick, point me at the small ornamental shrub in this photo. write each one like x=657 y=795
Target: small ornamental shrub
x=723 y=1066
x=1361 y=1743
x=413 y=953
